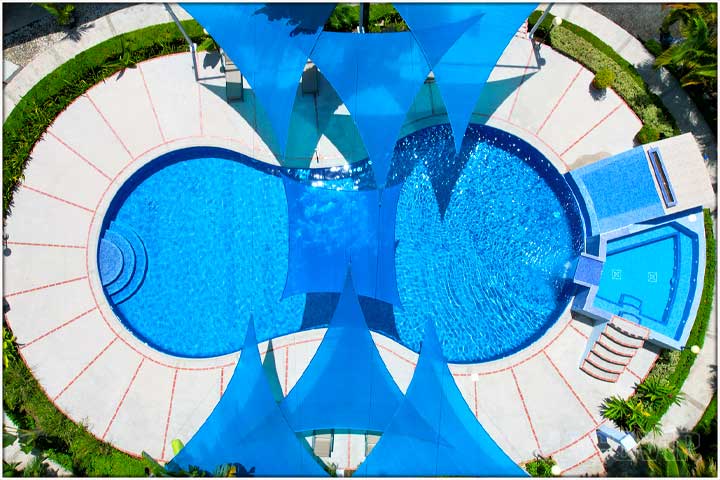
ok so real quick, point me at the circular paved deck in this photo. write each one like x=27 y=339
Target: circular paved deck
x=140 y=399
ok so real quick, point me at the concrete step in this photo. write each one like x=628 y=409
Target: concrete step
x=604 y=365
x=608 y=355
x=629 y=328
x=623 y=339
x=615 y=347
x=595 y=372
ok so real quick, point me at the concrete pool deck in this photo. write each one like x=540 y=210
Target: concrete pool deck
x=140 y=399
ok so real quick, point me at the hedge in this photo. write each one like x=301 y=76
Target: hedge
x=50 y=96
x=587 y=49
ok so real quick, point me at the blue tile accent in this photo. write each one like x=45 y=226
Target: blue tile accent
x=618 y=191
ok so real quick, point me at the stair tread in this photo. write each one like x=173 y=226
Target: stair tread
x=603 y=364
x=620 y=337
x=629 y=328
x=140 y=269
x=608 y=355
x=595 y=372
x=615 y=347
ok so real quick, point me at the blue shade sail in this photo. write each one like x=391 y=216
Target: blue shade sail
x=436 y=27
x=248 y=427
x=377 y=76
x=270 y=43
x=464 y=69
x=434 y=433
x=327 y=229
x=346 y=385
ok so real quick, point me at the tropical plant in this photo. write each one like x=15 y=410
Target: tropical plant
x=654 y=392
x=603 y=78
x=63 y=12
x=124 y=59
x=680 y=460
x=10 y=469
x=695 y=56
x=225 y=470
x=208 y=44
x=540 y=467
x=9 y=351
x=630 y=415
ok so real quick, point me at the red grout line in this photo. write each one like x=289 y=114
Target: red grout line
x=84 y=369
x=580 y=332
x=629 y=370
x=54 y=245
x=45 y=286
x=167 y=421
x=565 y=380
x=579 y=463
x=597 y=450
x=222 y=380
x=122 y=400
x=200 y=109
x=59 y=199
x=348 y=452
x=397 y=354
x=81 y=157
x=287 y=366
x=25 y=345
x=567 y=89
x=475 y=394
x=112 y=129
x=591 y=129
x=527 y=414
x=152 y=105
x=576 y=440
x=522 y=82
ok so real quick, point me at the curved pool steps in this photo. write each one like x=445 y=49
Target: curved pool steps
x=128 y=262
x=134 y=262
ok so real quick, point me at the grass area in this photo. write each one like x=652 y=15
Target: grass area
x=51 y=95
x=705 y=431
x=587 y=49
x=675 y=366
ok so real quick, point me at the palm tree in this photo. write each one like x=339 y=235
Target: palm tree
x=695 y=56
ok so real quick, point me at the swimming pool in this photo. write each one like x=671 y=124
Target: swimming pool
x=197 y=241
x=650 y=278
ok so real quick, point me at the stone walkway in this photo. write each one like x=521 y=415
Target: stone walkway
x=139 y=399
x=660 y=81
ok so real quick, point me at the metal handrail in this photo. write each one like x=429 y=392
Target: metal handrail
x=189 y=41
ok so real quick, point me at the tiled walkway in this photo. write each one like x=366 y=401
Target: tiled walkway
x=139 y=399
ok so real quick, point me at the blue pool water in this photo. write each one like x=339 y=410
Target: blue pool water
x=650 y=277
x=483 y=242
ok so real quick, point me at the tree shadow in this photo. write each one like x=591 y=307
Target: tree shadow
x=306 y=18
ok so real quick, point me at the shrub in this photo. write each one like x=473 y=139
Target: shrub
x=653 y=46
x=540 y=467
x=603 y=78
x=647 y=134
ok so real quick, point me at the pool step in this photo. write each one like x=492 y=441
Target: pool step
x=134 y=262
x=613 y=350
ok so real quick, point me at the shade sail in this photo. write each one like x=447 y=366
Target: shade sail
x=434 y=433
x=328 y=229
x=461 y=73
x=346 y=385
x=377 y=76
x=248 y=427
x=270 y=43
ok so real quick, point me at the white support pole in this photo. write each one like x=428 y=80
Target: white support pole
x=187 y=39
x=540 y=20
